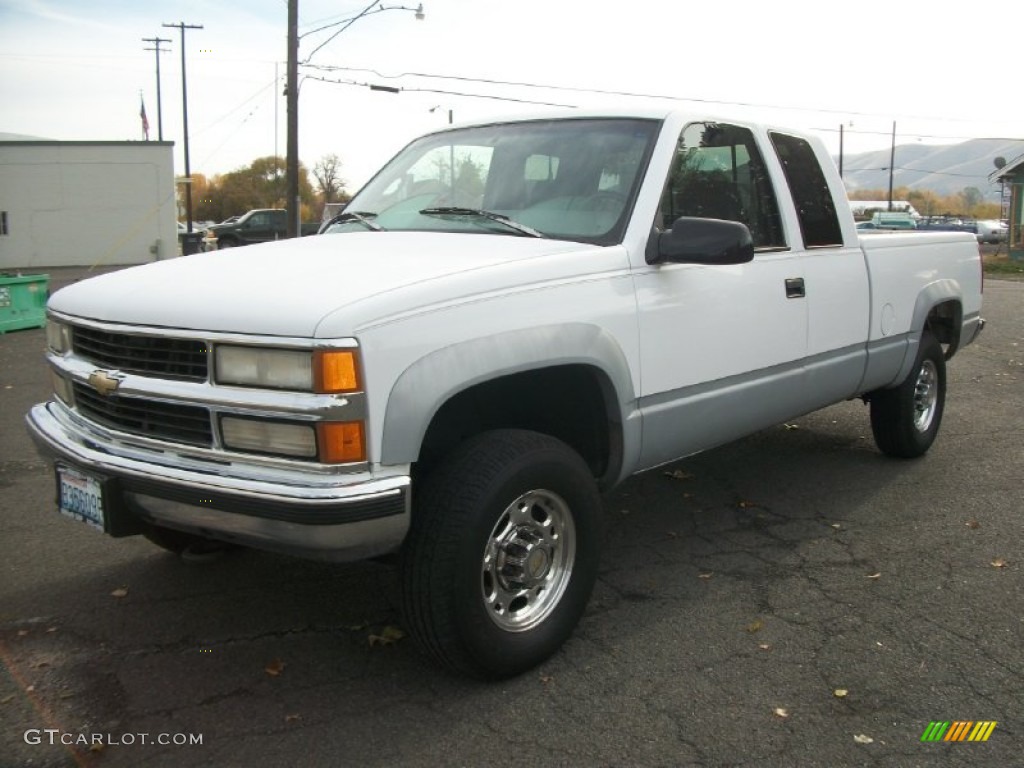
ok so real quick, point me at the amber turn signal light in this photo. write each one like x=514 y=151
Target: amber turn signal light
x=341 y=442
x=335 y=370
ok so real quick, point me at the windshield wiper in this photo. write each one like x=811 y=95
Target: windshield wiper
x=363 y=217
x=498 y=217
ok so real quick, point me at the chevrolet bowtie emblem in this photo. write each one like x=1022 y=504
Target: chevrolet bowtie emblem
x=103 y=382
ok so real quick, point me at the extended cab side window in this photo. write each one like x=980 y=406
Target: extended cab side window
x=718 y=173
x=815 y=208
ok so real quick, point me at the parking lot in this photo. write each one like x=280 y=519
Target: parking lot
x=794 y=598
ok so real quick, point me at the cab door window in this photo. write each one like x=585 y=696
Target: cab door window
x=718 y=173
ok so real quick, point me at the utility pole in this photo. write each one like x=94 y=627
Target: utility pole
x=292 y=91
x=159 y=111
x=184 y=114
x=892 y=162
x=840 y=150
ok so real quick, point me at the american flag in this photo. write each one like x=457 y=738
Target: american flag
x=145 y=121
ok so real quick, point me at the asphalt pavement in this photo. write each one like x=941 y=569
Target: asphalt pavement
x=792 y=599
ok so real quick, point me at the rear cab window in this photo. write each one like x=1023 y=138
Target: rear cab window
x=812 y=198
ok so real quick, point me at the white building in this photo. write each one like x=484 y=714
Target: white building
x=85 y=203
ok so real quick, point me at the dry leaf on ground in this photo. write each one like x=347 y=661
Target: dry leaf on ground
x=274 y=668
x=120 y=592
x=678 y=474
x=388 y=636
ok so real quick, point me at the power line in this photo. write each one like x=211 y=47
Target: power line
x=240 y=105
x=215 y=150
x=393 y=89
x=640 y=95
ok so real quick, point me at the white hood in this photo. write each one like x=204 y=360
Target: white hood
x=286 y=288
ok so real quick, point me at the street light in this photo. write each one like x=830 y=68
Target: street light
x=292 y=91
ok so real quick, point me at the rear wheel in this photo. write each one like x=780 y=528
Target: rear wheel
x=905 y=420
x=502 y=554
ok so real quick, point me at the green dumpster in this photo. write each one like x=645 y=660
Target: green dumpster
x=23 y=301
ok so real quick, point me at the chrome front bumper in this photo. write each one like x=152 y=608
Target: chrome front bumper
x=323 y=516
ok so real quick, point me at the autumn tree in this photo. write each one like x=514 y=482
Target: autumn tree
x=203 y=195
x=262 y=184
x=972 y=197
x=968 y=202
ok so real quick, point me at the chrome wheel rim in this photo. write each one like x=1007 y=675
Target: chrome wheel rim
x=926 y=396
x=528 y=560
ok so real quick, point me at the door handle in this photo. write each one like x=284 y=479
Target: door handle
x=795 y=288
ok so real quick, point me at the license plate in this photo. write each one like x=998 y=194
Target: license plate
x=81 y=497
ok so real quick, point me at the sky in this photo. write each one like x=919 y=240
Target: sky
x=77 y=71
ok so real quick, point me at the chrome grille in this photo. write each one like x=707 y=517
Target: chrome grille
x=149 y=418
x=160 y=356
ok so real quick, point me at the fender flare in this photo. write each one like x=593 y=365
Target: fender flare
x=932 y=295
x=427 y=384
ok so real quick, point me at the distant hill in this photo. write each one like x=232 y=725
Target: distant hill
x=943 y=169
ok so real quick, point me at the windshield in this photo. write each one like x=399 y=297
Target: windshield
x=566 y=179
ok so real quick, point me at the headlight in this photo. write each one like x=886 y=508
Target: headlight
x=62 y=388
x=269 y=437
x=58 y=337
x=270 y=368
x=325 y=371
x=329 y=442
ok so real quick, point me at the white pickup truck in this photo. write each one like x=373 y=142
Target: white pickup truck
x=510 y=318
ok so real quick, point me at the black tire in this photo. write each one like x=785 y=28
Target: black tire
x=228 y=242
x=502 y=553
x=905 y=420
x=177 y=542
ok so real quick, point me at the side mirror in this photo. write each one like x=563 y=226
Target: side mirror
x=701 y=241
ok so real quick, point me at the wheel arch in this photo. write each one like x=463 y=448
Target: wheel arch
x=498 y=382
x=938 y=309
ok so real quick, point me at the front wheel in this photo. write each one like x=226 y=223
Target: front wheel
x=502 y=554
x=905 y=420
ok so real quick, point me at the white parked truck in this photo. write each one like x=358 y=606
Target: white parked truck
x=511 y=318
